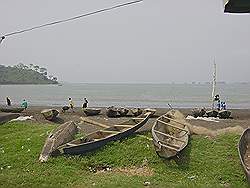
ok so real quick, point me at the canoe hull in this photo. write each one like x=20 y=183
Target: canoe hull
x=112 y=112
x=59 y=136
x=224 y=114
x=91 y=111
x=198 y=112
x=123 y=111
x=244 y=152
x=11 y=109
x=212 y=113
x=166 y=146
x=136 y=111
x=93 y=145
x=50 y=114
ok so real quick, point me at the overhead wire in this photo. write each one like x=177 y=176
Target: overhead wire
x=68 y=19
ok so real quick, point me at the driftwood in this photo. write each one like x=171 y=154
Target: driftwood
x=59 y=136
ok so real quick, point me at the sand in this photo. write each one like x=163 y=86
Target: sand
x=240 y=120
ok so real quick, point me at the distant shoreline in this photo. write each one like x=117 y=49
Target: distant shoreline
x=29 y=83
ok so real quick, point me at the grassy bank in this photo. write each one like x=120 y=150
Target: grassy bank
x=133 y=161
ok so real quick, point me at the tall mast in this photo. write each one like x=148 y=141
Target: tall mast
x=214 y=84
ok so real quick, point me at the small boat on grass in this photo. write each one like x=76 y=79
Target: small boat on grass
x=170 y=134
x=244 y=152
x=99 y=138
x=59 y=136
x=11 y=109
x=50 y=114
x=91 y=111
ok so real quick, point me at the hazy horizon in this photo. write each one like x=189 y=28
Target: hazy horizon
x=149 y=42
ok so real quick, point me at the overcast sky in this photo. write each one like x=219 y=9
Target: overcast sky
x=156 y=41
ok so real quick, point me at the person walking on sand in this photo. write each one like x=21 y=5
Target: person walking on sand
x=71 y=104
x=85 y=103
x=8 y=101
x=24 y=104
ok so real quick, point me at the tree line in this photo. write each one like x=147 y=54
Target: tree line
x=38 y=69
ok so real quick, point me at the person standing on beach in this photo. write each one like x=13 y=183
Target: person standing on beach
x=218 y=105
x=85 y=103
x=8 y=101
x=24 y=104
x=223 y=105
x=71 y=104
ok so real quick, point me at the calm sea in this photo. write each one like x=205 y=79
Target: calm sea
x=130 y=95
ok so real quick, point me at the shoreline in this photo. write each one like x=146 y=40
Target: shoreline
x=240 y=117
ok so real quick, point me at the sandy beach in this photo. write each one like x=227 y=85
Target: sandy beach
x=240 y=117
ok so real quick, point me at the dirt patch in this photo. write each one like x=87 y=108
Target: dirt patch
x=213 y=133
x=135 y=171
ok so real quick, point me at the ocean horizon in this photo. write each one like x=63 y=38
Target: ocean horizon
x=154 y=95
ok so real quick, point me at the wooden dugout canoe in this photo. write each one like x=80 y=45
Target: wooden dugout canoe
x=50 y=114
x=91 y=111
x=244 y=152
x=136 y=111
x=112 y=112
x=100 y=138
x=212 y=113
x=59 y=136
x=11 y=109
x=224 y=114
x=170 y=134
x=123 y=111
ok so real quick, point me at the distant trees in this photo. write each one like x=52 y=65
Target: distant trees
x=38 y=69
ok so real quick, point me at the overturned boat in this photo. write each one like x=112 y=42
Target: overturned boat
x=136 y=111
x=170 y=134
x=123 y=111
x=212 y=113
x=50 y=114
x=198 y=112
x=91 y=111
x=224 y=114
x=11 y=109
x=112 y=112
x=244 y=152
x=99 y=138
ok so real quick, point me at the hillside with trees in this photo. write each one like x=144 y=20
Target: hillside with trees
x=24 y=74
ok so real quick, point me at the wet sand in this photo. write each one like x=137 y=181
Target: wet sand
x=240 y=117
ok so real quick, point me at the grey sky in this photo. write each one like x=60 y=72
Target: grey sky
x=153 y=41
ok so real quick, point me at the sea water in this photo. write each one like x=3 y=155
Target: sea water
x=130 y=95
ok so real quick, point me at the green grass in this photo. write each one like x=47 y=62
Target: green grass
x=205 y=162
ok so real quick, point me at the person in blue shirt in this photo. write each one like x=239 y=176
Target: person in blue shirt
x=24 y=104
